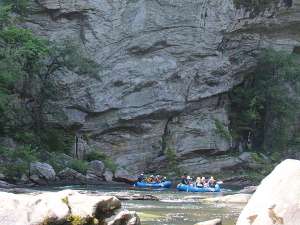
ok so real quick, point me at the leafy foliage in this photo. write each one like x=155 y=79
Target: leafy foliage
x=56 y=140
x=5 y=15
x=264 y=107
x=172 y=160
x=17 y=161
x=222 y=130
x=75 y=58
x=78 y=165
x=97 y=155
x=18 y=6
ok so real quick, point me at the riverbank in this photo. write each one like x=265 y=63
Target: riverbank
x=173 y=207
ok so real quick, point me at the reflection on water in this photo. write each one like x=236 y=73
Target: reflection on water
x=175 y=208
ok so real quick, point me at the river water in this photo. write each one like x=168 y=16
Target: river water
x=174 y=208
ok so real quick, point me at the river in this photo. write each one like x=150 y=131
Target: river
x=174 y=208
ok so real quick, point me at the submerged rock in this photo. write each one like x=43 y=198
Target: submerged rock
x=236 y=198
x=211 y=222
x=63 y=207
x=276 y=200
x=137 y=197
x=248 y=190
x=41 y=173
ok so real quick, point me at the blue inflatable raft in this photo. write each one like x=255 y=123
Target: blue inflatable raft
x=165 y=184
x=189 y=188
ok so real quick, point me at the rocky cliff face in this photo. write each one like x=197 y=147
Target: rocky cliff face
x=165 y=69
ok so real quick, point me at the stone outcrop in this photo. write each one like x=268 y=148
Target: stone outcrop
x=214 y=164
x=165 y=68
x=41 y=173
x=64 y=7
x=4 y=184
x=95 y=170
x=70 y=175
x=63 y=207
x=108 y=175
x=123 y=175
x=276 y=200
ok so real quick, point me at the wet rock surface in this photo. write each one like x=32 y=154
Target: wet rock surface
x=63 y=207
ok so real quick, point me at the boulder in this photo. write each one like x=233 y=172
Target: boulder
x=122 y=175
x=71 y=175
x=236 y=198
x=125 y=218
x=41 y=173
x=276 y=200
x=137 y=197
x=248 y=190
x=4 y=184
x=22 y=209
x=95 y=170
x=239 y=181
x=108 y=175
x=211 y=222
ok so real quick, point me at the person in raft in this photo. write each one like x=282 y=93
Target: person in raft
x=141 y=177
x=184 y=179
x=199 y=182
x=212 y=182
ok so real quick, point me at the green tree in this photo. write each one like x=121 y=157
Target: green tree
x=264 y=106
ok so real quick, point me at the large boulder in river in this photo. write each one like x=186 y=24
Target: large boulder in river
x=125 y=218
x=41 y=173
x=276 y=200
x=95 y=170
x=64 y=206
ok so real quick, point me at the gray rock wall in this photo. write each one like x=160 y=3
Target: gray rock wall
x=166 y=66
